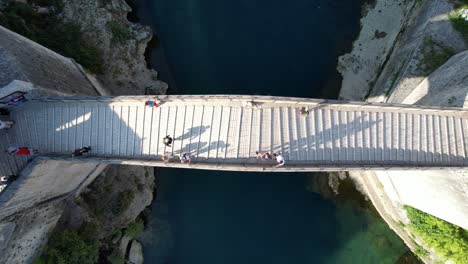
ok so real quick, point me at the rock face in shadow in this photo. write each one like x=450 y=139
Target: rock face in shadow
x=123 y=43
x=117 y=197
x=447 y=86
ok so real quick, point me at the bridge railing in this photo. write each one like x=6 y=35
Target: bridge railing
x=253 y=166
x=248 y=98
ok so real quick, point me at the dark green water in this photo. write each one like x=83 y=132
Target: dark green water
x=272 y=47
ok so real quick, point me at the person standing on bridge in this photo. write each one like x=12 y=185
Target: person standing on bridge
x=81 y=151
x=6 y=124
x=263 y=156
x=279 y=160
x=168 y=141
x=185 y=157
x=166 y=157
x=4 y=112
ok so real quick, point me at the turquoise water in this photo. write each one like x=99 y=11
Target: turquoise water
x=272 y=47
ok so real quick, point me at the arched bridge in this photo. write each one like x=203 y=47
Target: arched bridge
x=223 y=132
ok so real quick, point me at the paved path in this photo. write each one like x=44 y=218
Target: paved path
x=223 y=132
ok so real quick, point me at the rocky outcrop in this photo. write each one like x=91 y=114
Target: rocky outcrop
x=428 y=40
x=447 y=86
x=135 y=256
x=122 y=42
x=419 y=70
x=379 y=30
x=117 y=197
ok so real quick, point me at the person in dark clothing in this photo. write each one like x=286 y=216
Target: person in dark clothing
x=4 y=111
x=81 y=151
x=168 y=141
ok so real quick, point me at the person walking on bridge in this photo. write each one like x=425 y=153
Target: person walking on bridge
x=168 y=141
x=263 y=156
x=279 y=160
x=185 y=157
x=166 y=157
x=81 y=151
x=19 y=151
x=6 y=124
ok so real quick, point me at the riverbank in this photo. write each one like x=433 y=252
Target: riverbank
x=410 y=71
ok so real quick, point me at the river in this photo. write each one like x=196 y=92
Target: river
x=265 y=47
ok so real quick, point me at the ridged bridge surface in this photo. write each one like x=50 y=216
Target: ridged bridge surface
x=223 y=132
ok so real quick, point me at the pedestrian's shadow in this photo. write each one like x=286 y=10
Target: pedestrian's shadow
x=193 y=132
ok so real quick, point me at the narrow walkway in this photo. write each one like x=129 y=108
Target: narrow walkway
x=223 y=132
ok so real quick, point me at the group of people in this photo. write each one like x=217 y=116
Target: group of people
x=267 y=156
x=166 y=157
x=5 y=123
x=185 y=157
x=26 y=151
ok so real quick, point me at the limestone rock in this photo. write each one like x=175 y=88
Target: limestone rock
x=124 y=245
x=447 y=86
x=119 y=195
x=125 y=70
x=427 y=35
x=380 y=28
x=136 y=253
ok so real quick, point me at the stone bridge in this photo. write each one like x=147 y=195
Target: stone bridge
x=222 y=132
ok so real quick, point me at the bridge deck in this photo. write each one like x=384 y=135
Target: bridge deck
x=228 y=132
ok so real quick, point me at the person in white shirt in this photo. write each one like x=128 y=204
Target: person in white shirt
x=279 y=160
x=185 y=158
x=6 y=124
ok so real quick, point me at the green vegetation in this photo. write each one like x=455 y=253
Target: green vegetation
x=116 y=257
x=434 y=55
x=120 y=32
x=70 y=246
x=122 y=202
x=421 y=252
x=452 y=100
x=135 y=229
x=448 y=240
x=458 y=22
x=48 y=30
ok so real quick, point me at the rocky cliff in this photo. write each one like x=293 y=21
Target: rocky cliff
x=122 y=42
x=426 y=65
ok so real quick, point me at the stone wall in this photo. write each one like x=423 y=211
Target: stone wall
x=25 y=60
x=42 y=181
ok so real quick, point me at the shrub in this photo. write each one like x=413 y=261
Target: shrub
x=135 y=229
x=448 y=240
x=120 y=32
x=73 y=247
x=458 y=22
x=123 y=201
x=434 y=55
x=116 y=257
x=421 y=252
